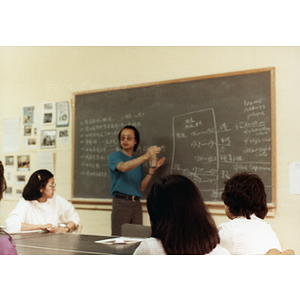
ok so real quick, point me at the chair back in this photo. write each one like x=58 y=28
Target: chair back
x=135 y=230
x=277 y=252
x=78 y=229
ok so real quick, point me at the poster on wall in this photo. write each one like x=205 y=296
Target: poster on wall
x=9 y=160
x=48 y=113
x=29 y=143
x=11 y=134
x=23 y=163
x=8 y=176
x=48 y=139
x=63 y=136
x=27 y=130
x=62 y=114
x=28 y=112
x=8 y=191
x=45 y=160
x=20 y=179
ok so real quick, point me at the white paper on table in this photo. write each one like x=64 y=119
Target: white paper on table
x=120 y=240
x=45 y=161
x=294 y=170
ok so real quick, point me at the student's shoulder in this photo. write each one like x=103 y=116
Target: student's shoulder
x=228 y=228
x=150 y=246
x=6 y=247
x=59 y=198
x=155 y=246
x=219 y=250
x=23 y=203
x=234 y=222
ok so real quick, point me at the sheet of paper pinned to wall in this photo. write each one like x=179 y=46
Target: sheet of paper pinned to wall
x=45 y=161
x=11 y=134
x=294 y=170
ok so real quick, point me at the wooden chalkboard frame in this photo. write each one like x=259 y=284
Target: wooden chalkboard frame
x=213 y=205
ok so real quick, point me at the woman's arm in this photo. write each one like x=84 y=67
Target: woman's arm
x=68 y=215
x=47 y=227
x=14 y=221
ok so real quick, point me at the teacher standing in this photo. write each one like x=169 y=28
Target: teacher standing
x=128 y=179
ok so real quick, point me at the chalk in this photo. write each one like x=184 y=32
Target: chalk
x=153 y=161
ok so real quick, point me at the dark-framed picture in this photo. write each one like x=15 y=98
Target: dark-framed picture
x=48 y=138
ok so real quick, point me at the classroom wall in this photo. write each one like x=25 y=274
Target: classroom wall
x=30 y=76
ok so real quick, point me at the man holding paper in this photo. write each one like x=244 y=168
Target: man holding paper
x=128 y=179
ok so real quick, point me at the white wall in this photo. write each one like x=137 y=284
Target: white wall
x=33 y=75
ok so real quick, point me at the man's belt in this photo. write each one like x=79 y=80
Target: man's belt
x=127 y=197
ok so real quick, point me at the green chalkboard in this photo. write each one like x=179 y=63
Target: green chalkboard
x=209 y=128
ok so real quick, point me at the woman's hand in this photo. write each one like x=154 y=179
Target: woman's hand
x=63 y=229
x=66 y=227
x=48 y=228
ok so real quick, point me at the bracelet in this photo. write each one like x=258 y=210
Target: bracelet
x=149 y=174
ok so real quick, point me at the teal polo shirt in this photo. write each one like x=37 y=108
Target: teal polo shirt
x=127 y=183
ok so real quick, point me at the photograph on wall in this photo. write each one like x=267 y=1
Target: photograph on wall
x=48 y=139
x=48 y=113
x=28 y=112
x=62 y=114
x=29 y=143
x=8 y=176
x=9 y=160
x=63 y=136
x=19 y=192
x=20 y=179
x=27 y=130
x=8 y=191
x=23 y=162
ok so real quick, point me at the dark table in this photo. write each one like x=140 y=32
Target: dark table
x=36 y=243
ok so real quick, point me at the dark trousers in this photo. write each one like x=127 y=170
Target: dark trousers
x=125 y=211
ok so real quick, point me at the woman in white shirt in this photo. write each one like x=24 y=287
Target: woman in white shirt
x=40 y=209
x=180 y=222
x=245 y=203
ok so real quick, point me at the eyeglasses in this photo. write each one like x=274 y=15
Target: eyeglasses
x=52 y=185
x=129 y=138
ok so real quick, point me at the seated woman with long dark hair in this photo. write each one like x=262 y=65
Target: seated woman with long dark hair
x=180 y=222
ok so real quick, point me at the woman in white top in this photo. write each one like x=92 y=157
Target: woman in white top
x=245 y=203
x=40 y=209
x=180 y=222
